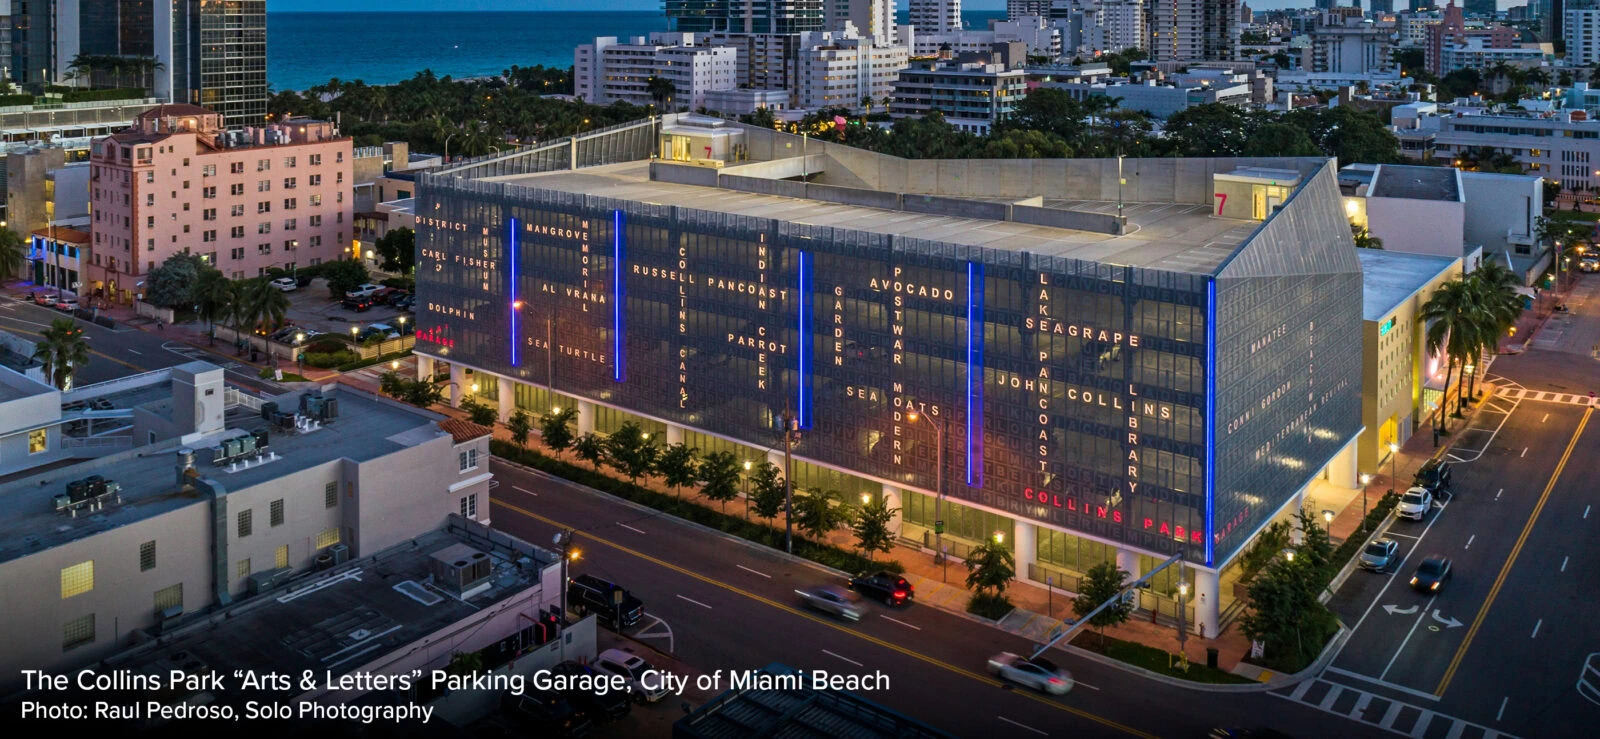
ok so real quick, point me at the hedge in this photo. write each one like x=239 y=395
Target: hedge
x=989 y=605
x=1352 y=544
x=759 y=533
x=359 y=363
x=10 y=100
x=120 y=93
x=329 y=360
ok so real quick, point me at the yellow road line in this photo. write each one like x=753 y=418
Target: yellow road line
x=1505 y=570
x=797 y=612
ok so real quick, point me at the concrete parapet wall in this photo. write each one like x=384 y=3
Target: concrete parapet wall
x=781 y=169
x=956 y=207
x=1105 y=223
x=785 y=188
x=855 y=196
x=683 y=174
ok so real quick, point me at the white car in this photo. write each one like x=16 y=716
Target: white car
x=380 y=329
x=1039 y=673
x=1589 y=264
x=286 y=284
x=644 y=681
x=364 y=291
x=1415 y=504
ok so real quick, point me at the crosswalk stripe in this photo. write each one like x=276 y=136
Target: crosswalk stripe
x=1425 y=717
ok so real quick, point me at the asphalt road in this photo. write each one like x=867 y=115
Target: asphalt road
x=125 y=350
x=728 y=606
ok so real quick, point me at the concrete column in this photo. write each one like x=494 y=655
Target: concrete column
x=1025 y=546
x=424 y=367
x=508 y=397
x=458 y=389
x=1342 y=470
x=1297 y=504
x=1207 y=603
x=893 y=499
x=585 y=417
x=674 y=434
x=1128 y=561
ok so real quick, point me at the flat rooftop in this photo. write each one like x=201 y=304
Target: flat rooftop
x=1178 y=237
x=339 y=619
x=367 y=428
x=1415 y=183
x=1390 y=278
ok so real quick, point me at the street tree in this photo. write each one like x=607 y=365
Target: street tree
x=479 y=413
x=1279 y=140
x=631 y=451
x=1285 y=615
x=260 y=305
x=661 y=90
x=818 y=511
x=871 y=526
x=62 y=350
x=556 y=428
x=590 y=448
x=719 y=477
x=679 y=466
x=171 y=285
x=13 y=254
x=214 y=296
x=398 y=250
x=1451 y=315
x=343 y=276
x=766 y=490
x=422 y=393
x=1101 y=583
x=990 y=567
x=392 y=385
x=520 y=425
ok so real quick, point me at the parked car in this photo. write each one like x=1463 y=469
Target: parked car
x=642 y=678
x=833 y=599
x=1431 y=574
x=67 y=304
x=379 y=329
x=1415 y=504
x=286 y=334
x=611 y=603
x=1038 y=673
x=599 y=706
x=395 y=296
x=888 y=587
x=46 y=299
x=359 y=305
x=544 y=712
x=1436 y=475
x=366 y=290
x=1379 y=555
x=406 y=302
x=286 y=284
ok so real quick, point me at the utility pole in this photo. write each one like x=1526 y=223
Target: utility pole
x=788 y=479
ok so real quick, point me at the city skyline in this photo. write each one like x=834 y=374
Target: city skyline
x=469 y=6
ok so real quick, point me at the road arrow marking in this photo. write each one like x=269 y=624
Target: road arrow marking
x=1398 y=611
x=1449 y=623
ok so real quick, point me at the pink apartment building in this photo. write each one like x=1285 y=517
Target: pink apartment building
x=246 y=200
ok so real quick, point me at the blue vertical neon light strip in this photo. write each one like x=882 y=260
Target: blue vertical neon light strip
x=804 y=401
x=619 y=368
x=1211 y=420
x=974 y=374
x=514 y=257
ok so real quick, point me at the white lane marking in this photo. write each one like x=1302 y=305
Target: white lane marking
x=1564 y=564
x=1084 y=685
x=1586 y=511
x=1403 y=536
x=1385 y=588
x=1391 y=686
x=898 y=621
x=698 y=603
x=1524 y=452
x=1542 y=420
x=630 y=528
x=1024 y=726
x=136 y=351
x=1502 y=710
x=1498 y=492
x=747 y=569
x=1470 y=539
x=521 y=489
x=1536 y=626
x=1407 y=639
x=840 y=656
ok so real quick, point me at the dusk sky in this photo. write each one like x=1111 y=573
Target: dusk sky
x=469 y=5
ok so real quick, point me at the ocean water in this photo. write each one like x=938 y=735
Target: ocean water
x=305 y=49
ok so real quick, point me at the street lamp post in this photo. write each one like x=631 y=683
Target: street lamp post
x=938 y=500
x=1394 y=467
x=447 y=161
x=788 y=478
x=1365 y=480
x=1183 y=612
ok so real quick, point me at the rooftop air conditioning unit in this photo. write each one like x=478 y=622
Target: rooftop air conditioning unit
x=461 y=570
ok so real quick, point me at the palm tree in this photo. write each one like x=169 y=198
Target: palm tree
x=866 y=103
x=1494 y=289
x=661 y=90
x=1451 y=317
x=263 y=304
x=214 y=294
x=13 y=253
x=62 y=351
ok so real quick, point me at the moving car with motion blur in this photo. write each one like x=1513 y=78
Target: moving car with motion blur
x=1431 y=574
x=833 y=599
x=1037 y=673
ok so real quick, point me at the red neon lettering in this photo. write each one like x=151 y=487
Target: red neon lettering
x=1148 y=523
x=1195 y=537
x=1178 y=532
x=1165 y=530
x=1100 y=511
x=1116 y=516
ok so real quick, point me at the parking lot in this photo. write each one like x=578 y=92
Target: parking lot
x=313 y=307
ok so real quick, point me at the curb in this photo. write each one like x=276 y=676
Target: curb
x=1350 y=566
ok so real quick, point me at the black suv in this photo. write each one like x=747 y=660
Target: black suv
x=613 y=604
x=544 y=712
x=1435 y=476
x=886 y=586
x=608 y=706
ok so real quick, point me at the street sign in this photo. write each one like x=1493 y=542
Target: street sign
x=938 y=527
x=1257 y=649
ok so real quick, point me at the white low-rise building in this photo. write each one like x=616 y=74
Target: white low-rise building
x=1038 y=34
x=1475 y=52
x=971 y=97
x=847 y=73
